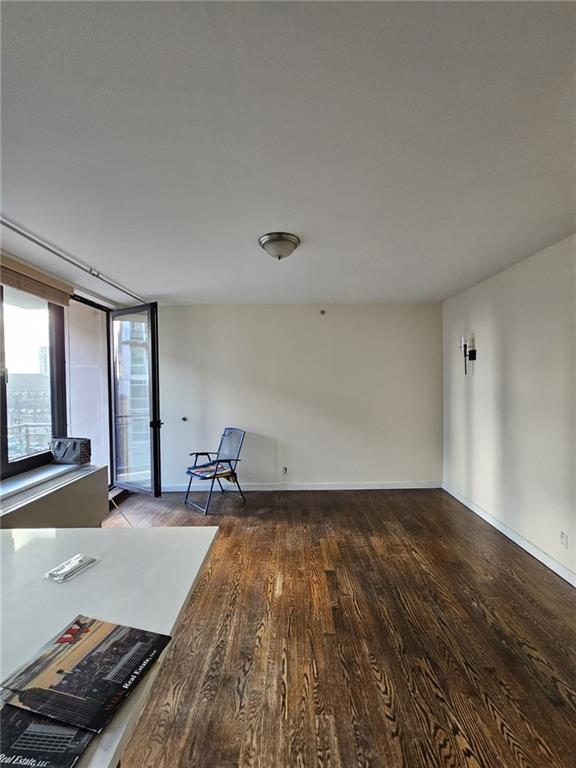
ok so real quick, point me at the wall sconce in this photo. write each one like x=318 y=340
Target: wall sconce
x=468 y=347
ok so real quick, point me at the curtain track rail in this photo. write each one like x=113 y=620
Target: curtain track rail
x=69 y=259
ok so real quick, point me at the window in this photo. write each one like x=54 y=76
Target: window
x=32 y=393
x=133 y=400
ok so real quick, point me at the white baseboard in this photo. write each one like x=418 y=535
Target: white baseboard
x=561 y=570
x=351 y=486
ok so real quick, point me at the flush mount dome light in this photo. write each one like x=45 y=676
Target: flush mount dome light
x=279 y=245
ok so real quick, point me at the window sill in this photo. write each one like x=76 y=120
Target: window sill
x=19 y=483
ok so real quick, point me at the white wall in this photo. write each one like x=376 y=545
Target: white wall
x=87 y=378
x=510 y=426
x=351 y=398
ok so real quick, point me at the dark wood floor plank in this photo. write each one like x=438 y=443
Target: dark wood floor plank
x=377 y=628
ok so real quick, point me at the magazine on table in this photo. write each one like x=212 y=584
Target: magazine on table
x=27 y=739
x=84 y=674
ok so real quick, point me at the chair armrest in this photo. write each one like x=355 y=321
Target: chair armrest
x=201 y=453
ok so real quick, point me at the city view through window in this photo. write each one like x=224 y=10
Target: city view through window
x=28 y=396
x=131 y=336
x=29 y=407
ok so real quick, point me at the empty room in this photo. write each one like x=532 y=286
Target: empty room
x=288 y=384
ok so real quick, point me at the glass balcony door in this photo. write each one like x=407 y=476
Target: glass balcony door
x=135 y=399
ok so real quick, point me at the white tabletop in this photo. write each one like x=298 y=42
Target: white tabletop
x=143 y=579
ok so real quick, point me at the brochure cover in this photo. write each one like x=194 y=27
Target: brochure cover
x=85 y=673
x=36 y=741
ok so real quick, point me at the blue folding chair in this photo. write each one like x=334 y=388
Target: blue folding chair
x=223 y=467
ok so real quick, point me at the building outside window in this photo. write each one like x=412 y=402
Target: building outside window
x=32 y=384
x=132 y=401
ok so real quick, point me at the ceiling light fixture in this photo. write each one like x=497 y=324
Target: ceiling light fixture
x=279 y=245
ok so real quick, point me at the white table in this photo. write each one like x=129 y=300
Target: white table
x=143 y=579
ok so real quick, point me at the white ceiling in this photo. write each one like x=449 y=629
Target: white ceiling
x=416 y=148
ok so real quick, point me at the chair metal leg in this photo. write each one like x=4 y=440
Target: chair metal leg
x=204 y=509
x=197 y=506
x=233 y=479
x=188 y=491
x=209 y=496
x=240 y=489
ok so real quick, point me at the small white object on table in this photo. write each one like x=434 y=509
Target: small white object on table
x=143 y=578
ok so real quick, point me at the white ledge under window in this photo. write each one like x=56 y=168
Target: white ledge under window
x=27 y=480
x=55 y=496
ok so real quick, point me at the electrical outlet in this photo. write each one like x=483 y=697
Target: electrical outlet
x=284 y=470
x=563 y=539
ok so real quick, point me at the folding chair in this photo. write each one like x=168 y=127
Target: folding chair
x=223 y=467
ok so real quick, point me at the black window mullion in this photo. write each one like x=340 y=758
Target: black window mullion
x=3 y=406
x=58 y=371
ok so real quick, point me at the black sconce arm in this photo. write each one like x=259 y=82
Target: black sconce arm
x=469 y=356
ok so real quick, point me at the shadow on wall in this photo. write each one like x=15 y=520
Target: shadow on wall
x=261 y=457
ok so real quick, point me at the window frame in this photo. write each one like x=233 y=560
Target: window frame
x=57 y=346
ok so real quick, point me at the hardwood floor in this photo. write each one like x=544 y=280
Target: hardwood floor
x=370 y=628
